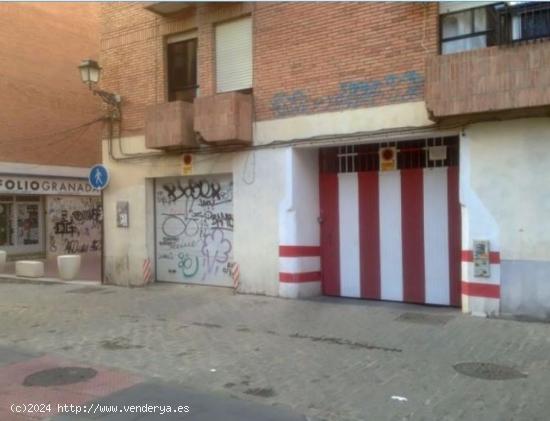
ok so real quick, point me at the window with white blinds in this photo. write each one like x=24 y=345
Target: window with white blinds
x=234 y=55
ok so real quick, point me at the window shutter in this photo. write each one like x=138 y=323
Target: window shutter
x=234 y=55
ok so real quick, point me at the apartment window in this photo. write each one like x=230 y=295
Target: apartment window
x=182 y=68
x=524 y=22
x=234 y=55
x=466 y=30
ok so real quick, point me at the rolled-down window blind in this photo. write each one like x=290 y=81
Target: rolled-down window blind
x=234 y=55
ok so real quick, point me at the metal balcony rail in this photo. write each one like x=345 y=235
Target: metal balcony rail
x=522 y=22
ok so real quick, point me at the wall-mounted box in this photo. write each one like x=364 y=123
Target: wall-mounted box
x=482 y=265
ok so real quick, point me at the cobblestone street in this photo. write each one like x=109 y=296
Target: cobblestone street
x=330 y=359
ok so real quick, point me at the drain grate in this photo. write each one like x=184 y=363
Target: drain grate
x=488 y=371
x=424 y=318
x=59 y=376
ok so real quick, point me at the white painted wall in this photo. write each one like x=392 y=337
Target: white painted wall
x=508 y=170
x=410 y=114
x=299 y=210
x=505 y=194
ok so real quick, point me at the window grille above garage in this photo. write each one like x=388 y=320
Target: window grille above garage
x=410 y=154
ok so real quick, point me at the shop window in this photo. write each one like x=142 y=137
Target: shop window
x=27 y=224
x=20 y=221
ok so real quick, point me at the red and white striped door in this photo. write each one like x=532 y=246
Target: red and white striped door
x=392 y=235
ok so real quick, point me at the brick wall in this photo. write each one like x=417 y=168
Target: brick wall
x=308 y=57
x=333 y=56
x=41 y=93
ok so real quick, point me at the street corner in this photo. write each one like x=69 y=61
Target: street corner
x=37 y=387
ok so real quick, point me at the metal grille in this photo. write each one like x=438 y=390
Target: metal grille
x=523 y=22
x=410 y=154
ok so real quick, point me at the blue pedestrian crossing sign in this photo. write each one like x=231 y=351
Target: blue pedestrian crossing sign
x=99 y=177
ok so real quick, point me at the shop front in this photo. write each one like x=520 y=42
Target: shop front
x=45 y=216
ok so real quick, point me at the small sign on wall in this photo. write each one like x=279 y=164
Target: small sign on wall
x=187 y=164
x=388 y=158
x=122 y=215
x=482 y=266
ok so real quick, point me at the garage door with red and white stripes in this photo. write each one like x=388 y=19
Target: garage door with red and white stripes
x=394 y=234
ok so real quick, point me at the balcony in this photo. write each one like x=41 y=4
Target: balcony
x=494 y=79
x=224 y=118
x=169 y=126
x=167 y=8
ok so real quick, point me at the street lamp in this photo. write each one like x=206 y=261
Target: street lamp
x=90 y=73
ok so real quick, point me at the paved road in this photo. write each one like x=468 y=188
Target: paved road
x=34 y=386
x=330 y=359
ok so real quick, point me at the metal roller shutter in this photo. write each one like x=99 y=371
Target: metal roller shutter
x=194 y=229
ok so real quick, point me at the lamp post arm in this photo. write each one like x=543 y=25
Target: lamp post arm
x=112 y=100
x=108 y=97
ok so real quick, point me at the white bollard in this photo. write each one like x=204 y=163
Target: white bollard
x=68 y=266
x=29 y=268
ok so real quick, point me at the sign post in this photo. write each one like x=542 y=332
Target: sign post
x=98 y=177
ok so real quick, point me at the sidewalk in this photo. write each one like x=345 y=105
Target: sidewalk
x=110 y=395
x=329 y=359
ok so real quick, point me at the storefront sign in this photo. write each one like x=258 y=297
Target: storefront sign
x=16 y=184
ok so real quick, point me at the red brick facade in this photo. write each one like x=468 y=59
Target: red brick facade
x=41 y=92
x=308 y=57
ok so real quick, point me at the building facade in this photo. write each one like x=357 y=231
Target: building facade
x=49 y=130
x=390 y=151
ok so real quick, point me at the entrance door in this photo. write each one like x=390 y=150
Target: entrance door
x=391 y=235
x=194 y=229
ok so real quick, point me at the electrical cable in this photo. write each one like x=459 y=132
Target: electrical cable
x=51 y=134
x=70 y=136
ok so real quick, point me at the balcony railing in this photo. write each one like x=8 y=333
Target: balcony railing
x=522 y=22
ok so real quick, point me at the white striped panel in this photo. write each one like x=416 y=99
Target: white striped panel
x=300 y=264
x=436 y=236
x=348 y=205
x=391 y=252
